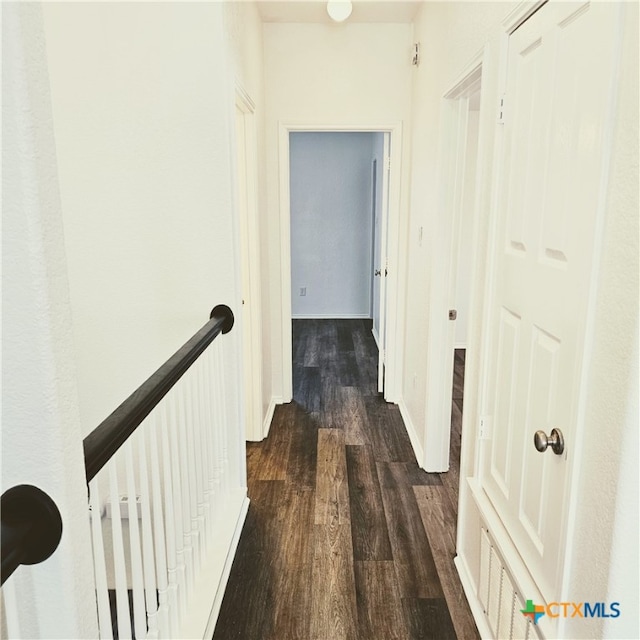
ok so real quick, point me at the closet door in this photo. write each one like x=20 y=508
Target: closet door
x=560 y=83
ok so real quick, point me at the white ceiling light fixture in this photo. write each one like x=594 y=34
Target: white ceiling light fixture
x=339 y=11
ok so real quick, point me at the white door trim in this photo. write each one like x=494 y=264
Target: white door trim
x=251 y=313
x=437 y=427
x=392 y=374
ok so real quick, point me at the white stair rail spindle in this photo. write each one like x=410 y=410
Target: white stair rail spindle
x=148 y=552
x=192 y=497
x=161 y=541
x=122 y=597
x=218 y=399
x=99 y=564
x=196 y=432
x=225 y=422
x=210 y=445
x=194 y=460
x=201 y=426
x=137 y=580
x=178 y=478
x=176 y=577
x=205 y=426
x=181 y=432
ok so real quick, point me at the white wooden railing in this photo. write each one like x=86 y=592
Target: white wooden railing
x=167 y=500
x=166 y=511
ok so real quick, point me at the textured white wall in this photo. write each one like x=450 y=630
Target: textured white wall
x=331 y=224
x=607 y=476
x=349 y=73
x=41 y=436
x=450 y=33
x=143 y=123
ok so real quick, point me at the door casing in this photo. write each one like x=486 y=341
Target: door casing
x=441 y=339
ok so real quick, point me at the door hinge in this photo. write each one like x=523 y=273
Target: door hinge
x=501 y=108
x=484 y=428
x=387 y=163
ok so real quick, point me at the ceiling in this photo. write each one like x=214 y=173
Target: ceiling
x=316 y=12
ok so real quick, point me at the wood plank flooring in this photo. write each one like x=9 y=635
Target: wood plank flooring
x=346 y=538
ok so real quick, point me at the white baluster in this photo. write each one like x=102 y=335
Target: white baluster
x=217 y=433
x=173 y=520
x=211 y=425
x=203 y=394
x=148 y=555
x=100 y=568
x=158 y=524
x=181 y=496
x=198 y=420
x=192 y=497
x=139 y=613
x=225 y=421
x=122 y=596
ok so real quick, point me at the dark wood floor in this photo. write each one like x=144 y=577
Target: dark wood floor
x=345 y=536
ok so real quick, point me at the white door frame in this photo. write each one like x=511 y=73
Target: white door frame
x=453 y=141
x=393 y=371
x=248 y=226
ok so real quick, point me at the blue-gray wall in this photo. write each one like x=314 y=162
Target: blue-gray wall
x=331 y=224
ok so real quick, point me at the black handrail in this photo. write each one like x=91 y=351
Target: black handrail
x=31 y=527
x=111 y=433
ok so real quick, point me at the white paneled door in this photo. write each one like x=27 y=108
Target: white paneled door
x=560 y=80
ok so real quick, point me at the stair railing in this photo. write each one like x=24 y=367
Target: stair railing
x=165 y=500
x=157 y=474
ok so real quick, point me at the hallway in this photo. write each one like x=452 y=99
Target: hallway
x=345 y=536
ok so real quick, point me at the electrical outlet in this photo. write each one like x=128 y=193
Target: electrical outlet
x=303 y=291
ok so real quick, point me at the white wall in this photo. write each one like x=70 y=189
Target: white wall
x=41 y=433
x=607 y=478
x=331 y=224
x=340 y=74
x=143 y=106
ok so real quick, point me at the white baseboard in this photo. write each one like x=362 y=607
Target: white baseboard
x=477 y=611
x=268 y=417
x=411 y=431
x=331 y=316
x=375 y=337
x=202 y=614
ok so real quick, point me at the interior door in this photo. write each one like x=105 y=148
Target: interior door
x=383 y=239
x=561 y=62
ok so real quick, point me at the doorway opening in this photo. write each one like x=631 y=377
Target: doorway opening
x=334 y=235
x=339 y=231
x=462 y=273
x=453 y=258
